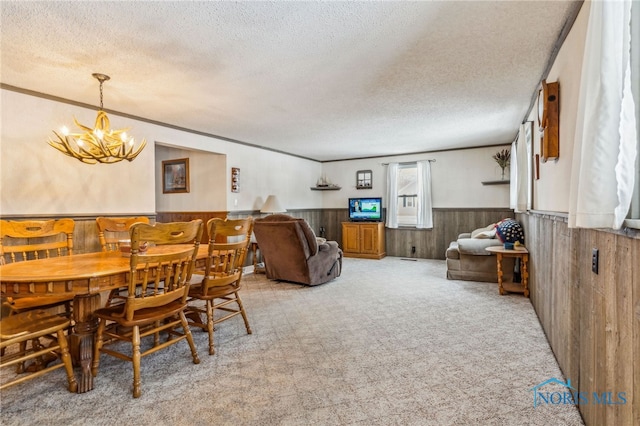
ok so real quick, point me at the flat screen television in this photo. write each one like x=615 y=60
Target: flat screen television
x=365 y=209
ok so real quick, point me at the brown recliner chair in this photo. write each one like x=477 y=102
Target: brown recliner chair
x=292 y=252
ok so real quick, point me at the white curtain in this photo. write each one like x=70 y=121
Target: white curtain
x=520 y=173
x=513 y=177
x=392 y=196
x=424 y=210
x=602 y=175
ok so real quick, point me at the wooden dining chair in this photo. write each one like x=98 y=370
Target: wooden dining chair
x=30 y=326
x=151 y=308
x=31 y=240
x=113 y=229
x=110 y=231
x=221 y=282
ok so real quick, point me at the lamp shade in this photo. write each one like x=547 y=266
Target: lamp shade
x=272 y=205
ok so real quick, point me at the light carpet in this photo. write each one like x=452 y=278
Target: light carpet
x=390 y=342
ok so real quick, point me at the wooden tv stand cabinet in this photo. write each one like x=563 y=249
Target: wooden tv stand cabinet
x=363 y=239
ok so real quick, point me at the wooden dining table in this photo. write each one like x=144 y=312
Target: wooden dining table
x=85 y=276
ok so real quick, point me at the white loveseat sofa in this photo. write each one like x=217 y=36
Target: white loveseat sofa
x=468 y=260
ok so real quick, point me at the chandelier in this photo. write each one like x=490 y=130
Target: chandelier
x=99 y=144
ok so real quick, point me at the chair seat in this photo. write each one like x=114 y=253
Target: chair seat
x=214 y=292
x=29 y=325
x=141 y=316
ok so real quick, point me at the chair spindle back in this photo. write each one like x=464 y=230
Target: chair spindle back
x=35 y=239
x=113 y=229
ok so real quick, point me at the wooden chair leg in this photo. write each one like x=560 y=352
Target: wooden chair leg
x=97 y=346
x=189 y=336
x=156 y=335
x=210 y=310
x=243 y=313
x=135 y=341
x=66 y=360
x=20 y=368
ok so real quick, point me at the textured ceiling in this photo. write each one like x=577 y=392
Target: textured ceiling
x=321 y=80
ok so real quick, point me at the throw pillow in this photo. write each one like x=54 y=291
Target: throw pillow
x=485 y=229
x=509 y=231
x=485 y=234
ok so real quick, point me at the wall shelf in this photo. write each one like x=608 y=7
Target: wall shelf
x=325 y=188
x=496 y=182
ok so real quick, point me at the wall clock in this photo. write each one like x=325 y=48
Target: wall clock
x=548 y=120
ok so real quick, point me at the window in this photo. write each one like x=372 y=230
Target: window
x=407 y=194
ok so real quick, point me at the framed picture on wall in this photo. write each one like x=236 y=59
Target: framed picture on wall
x=175 y=176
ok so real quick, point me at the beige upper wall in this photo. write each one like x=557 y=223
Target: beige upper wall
x=207 y=181
x=551 y=191
x=35 y=179
x=457 y=178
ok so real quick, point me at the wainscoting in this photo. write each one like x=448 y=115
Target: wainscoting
x=189 y=216
x=428 y=243
x=592 y=321
x=448 y=223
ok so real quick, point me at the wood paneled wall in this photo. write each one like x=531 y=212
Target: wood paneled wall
x=189 y=216
x=429 y=243
x=448 y=223
x=592 y=321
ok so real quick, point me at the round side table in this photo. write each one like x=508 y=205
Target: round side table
x=521 y=253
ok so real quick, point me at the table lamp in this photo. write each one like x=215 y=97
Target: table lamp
x=272 y=205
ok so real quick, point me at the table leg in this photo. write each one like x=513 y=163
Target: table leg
x=525 y=274
x=499 y=267
x=82 y=339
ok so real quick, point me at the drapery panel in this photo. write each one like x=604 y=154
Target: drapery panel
x=520 y=170
x=392 y=196
x=513 y=177
x=603 y=167
x=425 y=205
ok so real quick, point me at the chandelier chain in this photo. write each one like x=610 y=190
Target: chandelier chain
x=101 y=95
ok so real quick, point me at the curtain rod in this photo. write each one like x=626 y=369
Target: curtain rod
x=431 y=160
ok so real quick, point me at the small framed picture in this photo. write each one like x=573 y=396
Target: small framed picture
x=175 y=176
x=235 y=179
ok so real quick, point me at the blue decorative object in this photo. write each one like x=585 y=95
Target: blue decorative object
x=509 y=231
